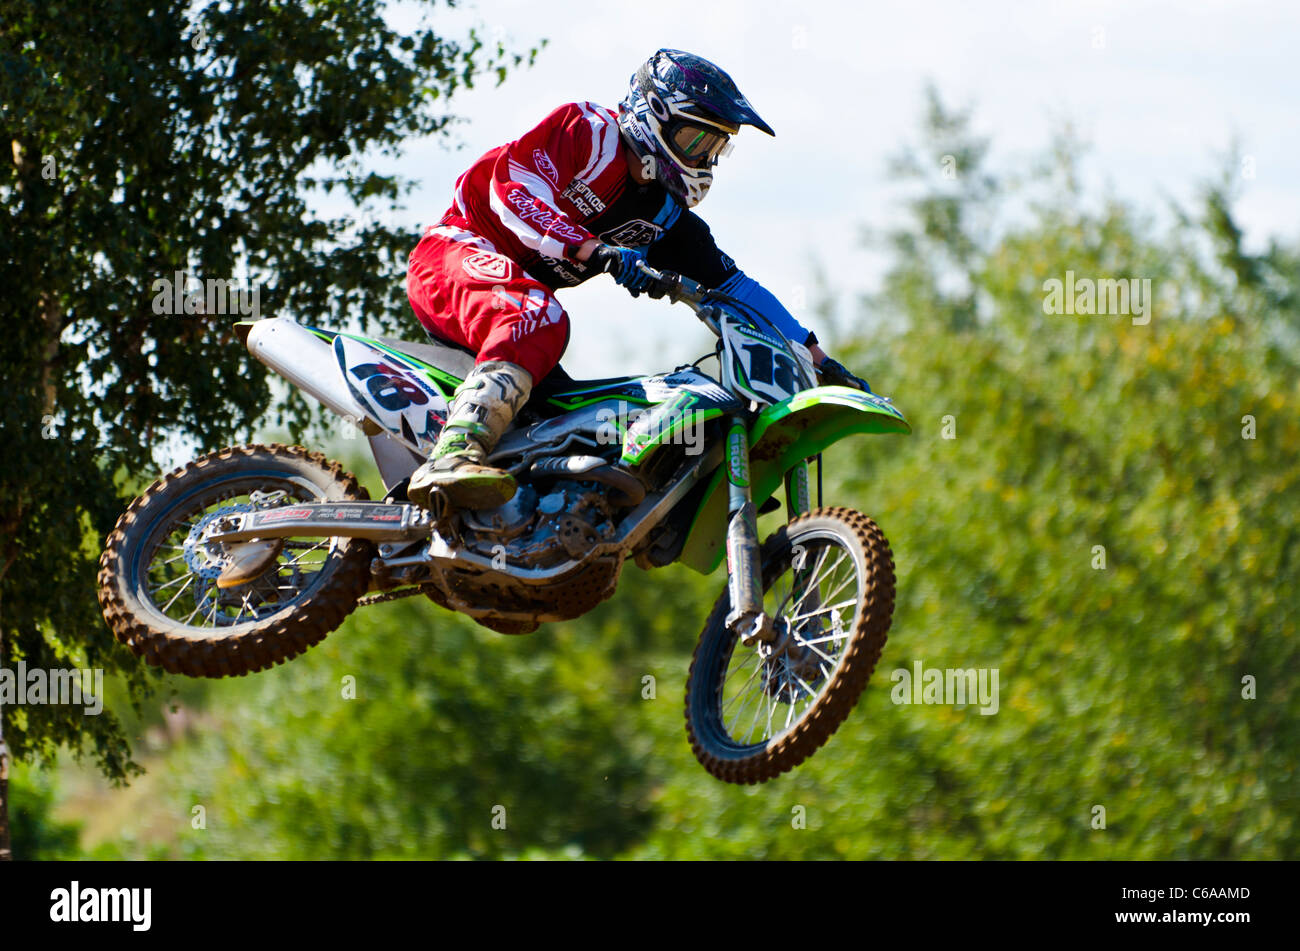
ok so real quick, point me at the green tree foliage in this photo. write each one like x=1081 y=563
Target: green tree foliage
x=37 y=834
x=455 y=744
x=950 y=201
x=189 y=140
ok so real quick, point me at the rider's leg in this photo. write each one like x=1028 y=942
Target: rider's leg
x=462 y=290
x=483 y=407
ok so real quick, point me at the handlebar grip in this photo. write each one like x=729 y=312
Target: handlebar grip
x=668 y=284
x=674 y=286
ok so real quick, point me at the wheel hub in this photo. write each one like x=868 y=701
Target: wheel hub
x=208 y=559
x=786 y=657
x=229 y=575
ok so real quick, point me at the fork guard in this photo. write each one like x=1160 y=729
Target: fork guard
x=783 y=434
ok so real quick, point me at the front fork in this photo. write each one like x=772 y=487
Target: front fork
x=744 y=559
x=744 y=556
x=797 y=500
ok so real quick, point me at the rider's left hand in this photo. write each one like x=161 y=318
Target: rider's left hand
x=835 y=373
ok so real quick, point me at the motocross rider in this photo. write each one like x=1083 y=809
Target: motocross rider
x=586 y=191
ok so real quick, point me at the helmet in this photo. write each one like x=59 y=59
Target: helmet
x=678 y=116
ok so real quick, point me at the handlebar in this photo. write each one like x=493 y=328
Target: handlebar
x=679 y=289
x=674 y=286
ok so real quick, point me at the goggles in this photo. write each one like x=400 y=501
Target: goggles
x=699 y=146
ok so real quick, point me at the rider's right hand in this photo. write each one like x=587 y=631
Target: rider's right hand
x=621 y=263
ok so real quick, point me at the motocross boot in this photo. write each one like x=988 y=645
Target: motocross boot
x=481 y=409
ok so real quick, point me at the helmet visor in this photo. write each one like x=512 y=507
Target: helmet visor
x=699 y=145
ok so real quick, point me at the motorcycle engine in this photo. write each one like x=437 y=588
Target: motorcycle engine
x=562 y=521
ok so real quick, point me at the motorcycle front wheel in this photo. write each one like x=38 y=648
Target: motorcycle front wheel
x=754 y=712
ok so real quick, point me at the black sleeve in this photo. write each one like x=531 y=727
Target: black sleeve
x=687 y=247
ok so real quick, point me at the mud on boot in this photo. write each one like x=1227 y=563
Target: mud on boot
x=482 y=408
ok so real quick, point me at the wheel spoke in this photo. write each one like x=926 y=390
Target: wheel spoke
x=815 y=582
x=831 y=569
x=821 y=640
x=197 y=607
x=744 y=686
x=822 y=610
x=771 y=706
x=188 y=579
x=758 y=708
x=819 y=653
x=739 y=668
x=809 y=579
x=789 y=709
x=851 y=576
x=298 y=558
x=733 y=726
x=168 y=584
x=803 y=683
x=242 y=605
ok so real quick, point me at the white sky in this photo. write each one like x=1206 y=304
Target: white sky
x=1159 y=95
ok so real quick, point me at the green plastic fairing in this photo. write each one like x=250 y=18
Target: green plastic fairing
x=784 y=433
x=664 y=424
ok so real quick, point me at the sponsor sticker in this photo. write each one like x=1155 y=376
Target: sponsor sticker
x=279 y=515
x=583 y=198
x=737 y=466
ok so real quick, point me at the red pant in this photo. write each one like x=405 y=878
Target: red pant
x=462 y=289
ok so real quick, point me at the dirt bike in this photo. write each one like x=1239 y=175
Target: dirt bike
x=248 y=556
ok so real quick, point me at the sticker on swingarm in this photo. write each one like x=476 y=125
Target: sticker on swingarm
x=396 y=395
x=324 y=511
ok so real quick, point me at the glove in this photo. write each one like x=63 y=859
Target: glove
x=835 y=373
x=622 y=263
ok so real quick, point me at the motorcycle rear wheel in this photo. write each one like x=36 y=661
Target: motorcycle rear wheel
x=158 y=575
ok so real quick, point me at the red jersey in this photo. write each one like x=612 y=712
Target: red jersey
x=531 y=197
